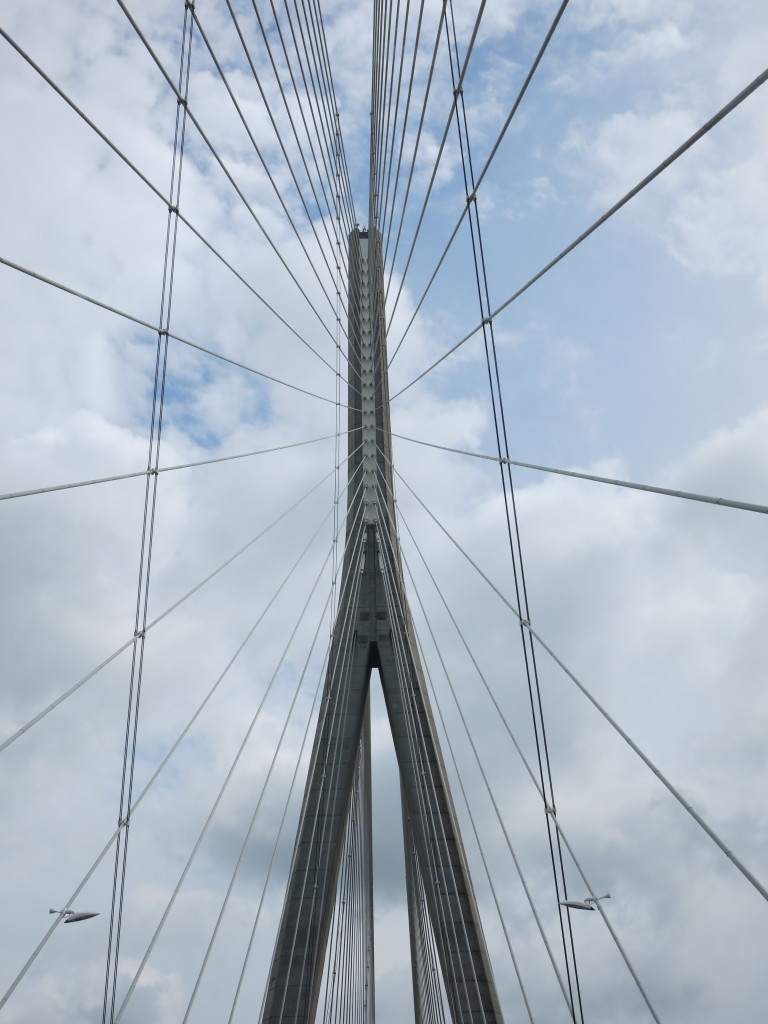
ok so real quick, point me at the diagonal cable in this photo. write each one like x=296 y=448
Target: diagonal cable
x=683 y=148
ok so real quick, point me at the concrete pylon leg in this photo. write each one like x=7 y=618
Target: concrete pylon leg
x=374 y=630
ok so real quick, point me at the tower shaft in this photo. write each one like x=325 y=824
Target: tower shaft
x=373 y=629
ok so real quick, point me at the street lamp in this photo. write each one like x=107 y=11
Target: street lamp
x=586 y=904
x=70 y=916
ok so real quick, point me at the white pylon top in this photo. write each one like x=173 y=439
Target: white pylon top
x=368 y=389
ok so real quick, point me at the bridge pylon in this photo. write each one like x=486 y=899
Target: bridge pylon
x=373 y=629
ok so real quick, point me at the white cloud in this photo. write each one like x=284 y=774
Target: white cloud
x=657 y=605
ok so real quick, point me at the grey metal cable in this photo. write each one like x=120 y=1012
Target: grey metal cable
x=68 y=693
x=494 y=150
x=154 y=189
x=415 y=148
x=471 y=816
x=456 y=93
x=219 y=797
x=651 y=488
x=276 y=845
x=278 y=746
x=387 y=232
x=175 y=337
x=480 y=765
x=257 y=150
x=227 y=173
x=683 y=148
x=278 y=134
x=646 y=760
x=161 y=469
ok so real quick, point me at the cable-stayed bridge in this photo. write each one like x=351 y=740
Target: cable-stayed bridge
x=563 y=208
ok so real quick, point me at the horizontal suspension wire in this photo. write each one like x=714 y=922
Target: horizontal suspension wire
x=690 y=495
x=690 y=141
x=162 y=469
x=611 y=721
x=41 y=714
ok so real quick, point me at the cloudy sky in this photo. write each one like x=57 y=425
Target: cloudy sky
x=642 y=356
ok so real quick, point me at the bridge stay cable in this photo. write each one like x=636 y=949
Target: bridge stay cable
x=267 y=171
x=458 y=85
x=736 y=861
x=290 y=792
x=174 y=337
x=478 y=181
x=389 y=207
x=323 y=46
x=670 y=492
x=745 y=93
x=278 y=836
x=414 y=153
x=387 y=146
x=418 y=741
x=159 y=618
x=146 y=548
x=174 y=747
x=510 y=507
x=465 y=798
x=233 y=766
x=385 y=182
x=332 y=254
x=320 y=131
x=504 y=721
x=225 y=169
x=163 y=469
x=538 y=784
x=153 y=188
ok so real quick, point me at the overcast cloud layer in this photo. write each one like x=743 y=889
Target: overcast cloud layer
x=642 y=356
